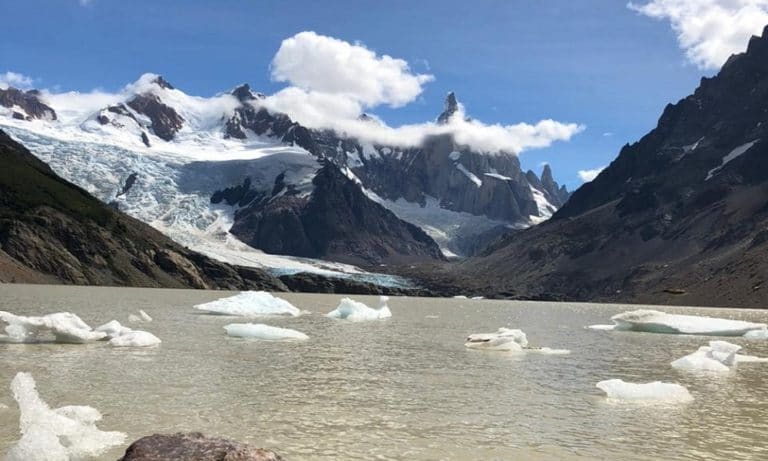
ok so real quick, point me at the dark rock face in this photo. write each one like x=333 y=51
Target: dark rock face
x=556 y=194
x=29 y=101
x=194 y=446
x=451 y=107
x=683 y=209
x=336 y=221
x=129 y=182
x=54 y=232
x=166 y=122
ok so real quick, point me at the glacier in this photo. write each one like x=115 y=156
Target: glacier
x=63 y=434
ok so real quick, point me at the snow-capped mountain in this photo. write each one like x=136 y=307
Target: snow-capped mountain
x=227 y=177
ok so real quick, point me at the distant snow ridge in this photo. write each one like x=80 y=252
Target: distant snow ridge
x=64 y=434
x=719 y=356
x=652 y=321
x=250 y=304
x=264 y=332
x=509 y=340
x=349 y=309
x=619 y=390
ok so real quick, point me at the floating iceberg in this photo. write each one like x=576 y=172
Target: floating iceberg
x=510 y=340
x=616 y=389
x=142 y=317
x=660 y=322
x=113 y=329
x=64 y=326
x=718 y=356
x=757 y=334
x=350 y=309
x=264 y=332
x=63 y=434
x=250 y=304
x=135 y=338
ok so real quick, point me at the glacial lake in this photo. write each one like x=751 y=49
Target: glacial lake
x=402 y=388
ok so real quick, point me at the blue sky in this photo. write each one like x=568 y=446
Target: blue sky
x=593 y=62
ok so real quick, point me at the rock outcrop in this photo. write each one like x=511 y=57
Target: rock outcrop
x=194 y=446
x=26 y=105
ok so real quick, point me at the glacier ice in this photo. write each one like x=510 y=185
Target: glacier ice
x=349 y=309
x=657 y=391
x=113 y=329
x=64 y=326
x=141 y=317
x=64 y=434
x=135 y=338
x=509 y=340
x=264 y=332
x=757 y=334
x=250 y=304
x=718 y=356
x=652 y=321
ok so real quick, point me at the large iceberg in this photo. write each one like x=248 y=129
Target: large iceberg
x=718 y=356
x=619 y=390
x=509 y=340
x=64 y=434
x=64 y=326
x=264 y=332
x=652 y=321
x=250 y=304
x=349 y=309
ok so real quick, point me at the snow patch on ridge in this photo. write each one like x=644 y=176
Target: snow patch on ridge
x=732 y=155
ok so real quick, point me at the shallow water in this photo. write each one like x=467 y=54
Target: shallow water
x=394 y=389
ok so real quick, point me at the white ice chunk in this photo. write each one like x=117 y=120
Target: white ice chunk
x=264 y=332
x=250 y=304
x=757 y=334
x=718 y=356
x=510 y=340
x=135 y=338
x=652 y=321
x=64 y=326
x=349 y=309
x=617 y=389
x=65 y=434
x=459 y=297
x=141 y=317
x=113 y=329
x=602 y=327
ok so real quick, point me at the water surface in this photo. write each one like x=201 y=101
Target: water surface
x=403 y=388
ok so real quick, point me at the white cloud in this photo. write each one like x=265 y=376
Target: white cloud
x=709 y=30
x=317 y=63
x=333 y=81
x=589 y=175
x=15 y=80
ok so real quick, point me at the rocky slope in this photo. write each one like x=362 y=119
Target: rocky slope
x=679 y=217
x=53 y=231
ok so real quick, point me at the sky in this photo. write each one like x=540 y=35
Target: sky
x=600 y=70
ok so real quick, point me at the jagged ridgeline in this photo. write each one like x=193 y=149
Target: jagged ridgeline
x=208 y=170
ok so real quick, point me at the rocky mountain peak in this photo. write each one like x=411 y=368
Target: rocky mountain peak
x=244 y=93
x=28 y=101
x=163 y=83
x=450 y=107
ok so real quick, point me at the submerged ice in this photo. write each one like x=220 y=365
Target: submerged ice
x=264 y=332
x=250 y=304
x=657 y=391
x=652 y=321
x=63 y=434
x=349 y=309
x=507 y=339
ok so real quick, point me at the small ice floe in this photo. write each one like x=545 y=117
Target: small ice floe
x=652 y=321
x=65 y=327
x=142 y=317
x=135 y=338
x=122 y=336
x=618 y=390
x=352 y=310
x=718 y=356
x=250 y=304
x=510 y=340
x=757 y=334
x=264 y=332
x=66 y=433
x=477 y=298
x=459 y=297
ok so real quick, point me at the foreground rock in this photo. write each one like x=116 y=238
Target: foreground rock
x=194 y=446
